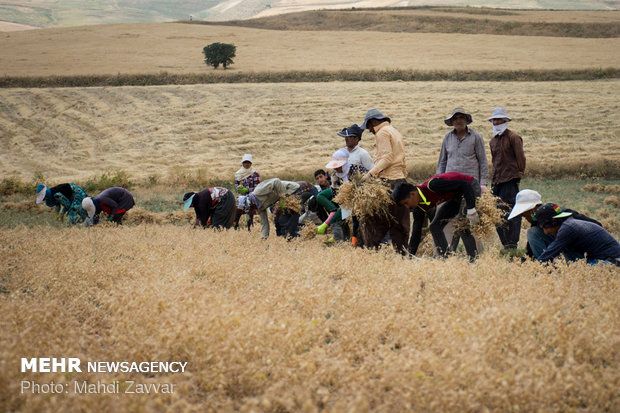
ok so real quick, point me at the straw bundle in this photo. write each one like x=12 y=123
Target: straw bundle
x=25 y=206
x=179 y=217
x=370 y=197
x=288 y=204
x=307 y=231
x=490 y=216
x=137 y=216
x=599 y=188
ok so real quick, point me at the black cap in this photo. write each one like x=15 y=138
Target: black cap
x=353 y=130
x=549 y=215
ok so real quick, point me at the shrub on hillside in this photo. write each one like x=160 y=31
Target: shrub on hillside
x=107 y=180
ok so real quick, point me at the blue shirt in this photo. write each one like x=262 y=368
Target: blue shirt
x=582 y=237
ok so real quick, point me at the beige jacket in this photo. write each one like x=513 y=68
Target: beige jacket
x=389 y=153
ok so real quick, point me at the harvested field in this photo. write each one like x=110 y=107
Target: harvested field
x=177 y=48
x=168 y=132
x=361 y=331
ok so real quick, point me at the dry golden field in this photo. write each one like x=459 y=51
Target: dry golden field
x=177 y=48
x=326 y=329
x=276 y=326
x=77 y=133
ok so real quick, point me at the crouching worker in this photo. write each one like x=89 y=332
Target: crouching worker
x=113 y=201
x=216 y=204
x=527 y=203
x=446 y=189
x=267 y=194
x=66 y=199
x=586 y=238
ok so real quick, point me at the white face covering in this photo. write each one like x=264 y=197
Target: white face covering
x=499 y=129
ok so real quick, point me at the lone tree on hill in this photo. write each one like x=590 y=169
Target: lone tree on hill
x=219 y=54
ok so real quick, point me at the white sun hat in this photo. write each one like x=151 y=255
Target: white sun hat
x=41 y=192
x=89 y=206
x=525 y=200
x=339 y=158
x=499 y=113
x=247 y=158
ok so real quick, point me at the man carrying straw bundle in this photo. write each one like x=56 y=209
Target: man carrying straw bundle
x=390 y=166
x=448 y=188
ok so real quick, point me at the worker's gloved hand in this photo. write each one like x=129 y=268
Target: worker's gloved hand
x=472 y=216
x=483 y=188
x=321 y=228
x=109 y=219
x=366 y=176
x=243 y=190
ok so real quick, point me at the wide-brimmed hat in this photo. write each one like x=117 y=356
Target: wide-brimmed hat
x=188 y=198
x=524 y=201
x=353 y=130
x=455 y=111
x=374 y=114
x=499 y=113
x=41 y=192
x=246 y=158
x=339 y=158
x=546 y=214
x=89 y=206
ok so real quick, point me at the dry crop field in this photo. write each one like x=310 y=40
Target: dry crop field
x=270 y=325
x=326 y=329
x=177 y=48
x=77 y=133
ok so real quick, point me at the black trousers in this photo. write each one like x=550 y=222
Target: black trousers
x=287 y=224
x=509 y=231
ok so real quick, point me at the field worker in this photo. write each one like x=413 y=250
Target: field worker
x=589 y=240
x=246 y=179
x=342 y=172
x=448 y=188
x=527 y=202
x=360 y=161
x=66 y=199
x=359 y=158
x=508 y=168
x=389 y=165
x=216 y=204
x=462 y=150
x=113 y=201
x=267 y=194
x=322 y=179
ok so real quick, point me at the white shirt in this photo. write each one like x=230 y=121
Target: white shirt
x=360 y=156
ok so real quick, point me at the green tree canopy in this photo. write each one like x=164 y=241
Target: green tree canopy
x=219 y=54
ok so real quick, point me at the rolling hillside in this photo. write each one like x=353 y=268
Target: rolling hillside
x=66 y=13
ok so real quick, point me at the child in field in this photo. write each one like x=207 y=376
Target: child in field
x=66 y=196
x=113 y=201
x=246 y=180
x=216 y=204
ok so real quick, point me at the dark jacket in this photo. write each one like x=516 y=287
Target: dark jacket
x=507 y=157
x=204 y=204
x=115 y=201
x=443 y=187
x=582 y=237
